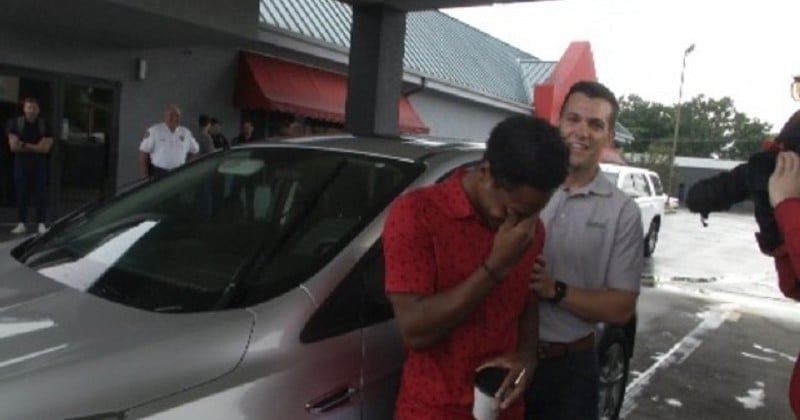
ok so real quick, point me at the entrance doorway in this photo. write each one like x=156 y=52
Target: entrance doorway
x=86 y=129
x=83 y=116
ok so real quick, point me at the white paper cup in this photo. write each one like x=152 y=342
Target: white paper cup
x=483 y=406
x=487 y=383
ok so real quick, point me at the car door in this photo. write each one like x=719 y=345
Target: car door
x=359 y=305
x=648 y=203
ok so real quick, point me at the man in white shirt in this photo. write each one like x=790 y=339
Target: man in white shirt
x=166 y=145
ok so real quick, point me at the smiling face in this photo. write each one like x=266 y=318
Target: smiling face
x=586 y=128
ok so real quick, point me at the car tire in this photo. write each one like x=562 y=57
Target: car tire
x=651 y=239
x=614 y=361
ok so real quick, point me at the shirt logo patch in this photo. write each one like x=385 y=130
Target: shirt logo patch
x=181 y=137
x=595 y=224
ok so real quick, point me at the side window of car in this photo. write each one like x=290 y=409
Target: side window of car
x=642 y=186
x=359 y=301
x=657 y=184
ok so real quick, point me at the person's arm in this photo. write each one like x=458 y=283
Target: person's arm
x=43 y=146
x=146 y=148
x=14 y=144
x=426 y=316
x=616 y=303
x=144 y=164
x=784 y=194
x=194 y=147
x=787 y=257
x=425 y=320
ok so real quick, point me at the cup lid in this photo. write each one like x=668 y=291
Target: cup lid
x=489 y=379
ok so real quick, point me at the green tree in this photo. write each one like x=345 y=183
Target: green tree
x=708 y=128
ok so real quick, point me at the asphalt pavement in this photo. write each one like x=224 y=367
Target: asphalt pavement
x=716 y=339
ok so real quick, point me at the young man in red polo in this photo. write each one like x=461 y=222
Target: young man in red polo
x=458 y=258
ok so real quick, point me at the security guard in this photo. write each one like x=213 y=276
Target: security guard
x=166 y=145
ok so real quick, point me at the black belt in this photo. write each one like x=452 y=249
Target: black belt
x=549 y=350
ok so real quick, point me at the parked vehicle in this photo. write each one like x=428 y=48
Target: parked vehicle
x=245 y=285
x=616 y=343
x=645 y=187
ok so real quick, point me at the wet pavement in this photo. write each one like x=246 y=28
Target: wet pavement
x=716 y=339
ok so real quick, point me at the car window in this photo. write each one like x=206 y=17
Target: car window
x=261 y=219
x=641 y=185
x=359 y=301
x=659 y=189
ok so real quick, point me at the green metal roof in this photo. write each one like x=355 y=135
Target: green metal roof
x=535 y=72
x=436 y=46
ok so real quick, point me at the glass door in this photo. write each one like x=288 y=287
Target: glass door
x=84 y=136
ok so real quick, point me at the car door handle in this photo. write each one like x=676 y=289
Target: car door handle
x=331 y=400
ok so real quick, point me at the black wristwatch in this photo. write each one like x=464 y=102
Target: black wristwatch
x=561 y=291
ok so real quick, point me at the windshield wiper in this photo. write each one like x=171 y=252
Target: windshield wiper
x=261 y=255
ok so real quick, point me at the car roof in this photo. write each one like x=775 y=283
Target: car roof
x=415 y=148
x=615 y=168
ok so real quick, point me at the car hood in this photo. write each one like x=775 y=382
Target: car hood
x=65 y=353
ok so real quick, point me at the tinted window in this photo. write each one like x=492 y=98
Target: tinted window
x=657 y=184
x=255 y=222
x=358 y=302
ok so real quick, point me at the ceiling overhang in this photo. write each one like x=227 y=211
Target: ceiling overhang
x=415 y=5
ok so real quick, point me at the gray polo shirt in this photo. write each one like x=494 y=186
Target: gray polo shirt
x=594 y=241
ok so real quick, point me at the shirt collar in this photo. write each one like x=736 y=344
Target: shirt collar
x=600 y=185
x=453 y=198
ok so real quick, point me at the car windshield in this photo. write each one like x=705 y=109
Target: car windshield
x=270 y=216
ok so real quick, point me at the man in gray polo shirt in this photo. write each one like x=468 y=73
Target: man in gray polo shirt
x=591 y=266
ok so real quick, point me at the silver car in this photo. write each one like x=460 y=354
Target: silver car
x=245 y=285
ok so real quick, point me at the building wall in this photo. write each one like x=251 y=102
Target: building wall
x=198 y=79
x=447 y=116
x=238 y=16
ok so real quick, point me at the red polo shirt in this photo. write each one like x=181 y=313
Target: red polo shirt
x=433 y=240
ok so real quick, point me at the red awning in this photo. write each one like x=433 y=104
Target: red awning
x=278 y=85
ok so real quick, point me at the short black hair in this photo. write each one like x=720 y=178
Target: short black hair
x=204 y=120
x=523 y=150
x=595 y=90
x=214 y=120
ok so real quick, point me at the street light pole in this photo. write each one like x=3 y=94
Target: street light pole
x=677 y=123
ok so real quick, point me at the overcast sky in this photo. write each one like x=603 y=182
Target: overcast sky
x=748 y=50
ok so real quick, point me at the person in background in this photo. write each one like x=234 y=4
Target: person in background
x=204 y=140
x=30 y=139
x=166 y=145
x=458 y=259
x=591 y=267
x=245 y=135
x=220 y=141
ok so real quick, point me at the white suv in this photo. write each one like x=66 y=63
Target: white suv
x=644 y=186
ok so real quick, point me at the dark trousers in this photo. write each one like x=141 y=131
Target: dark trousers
x=30 y=180
x=564 y=388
